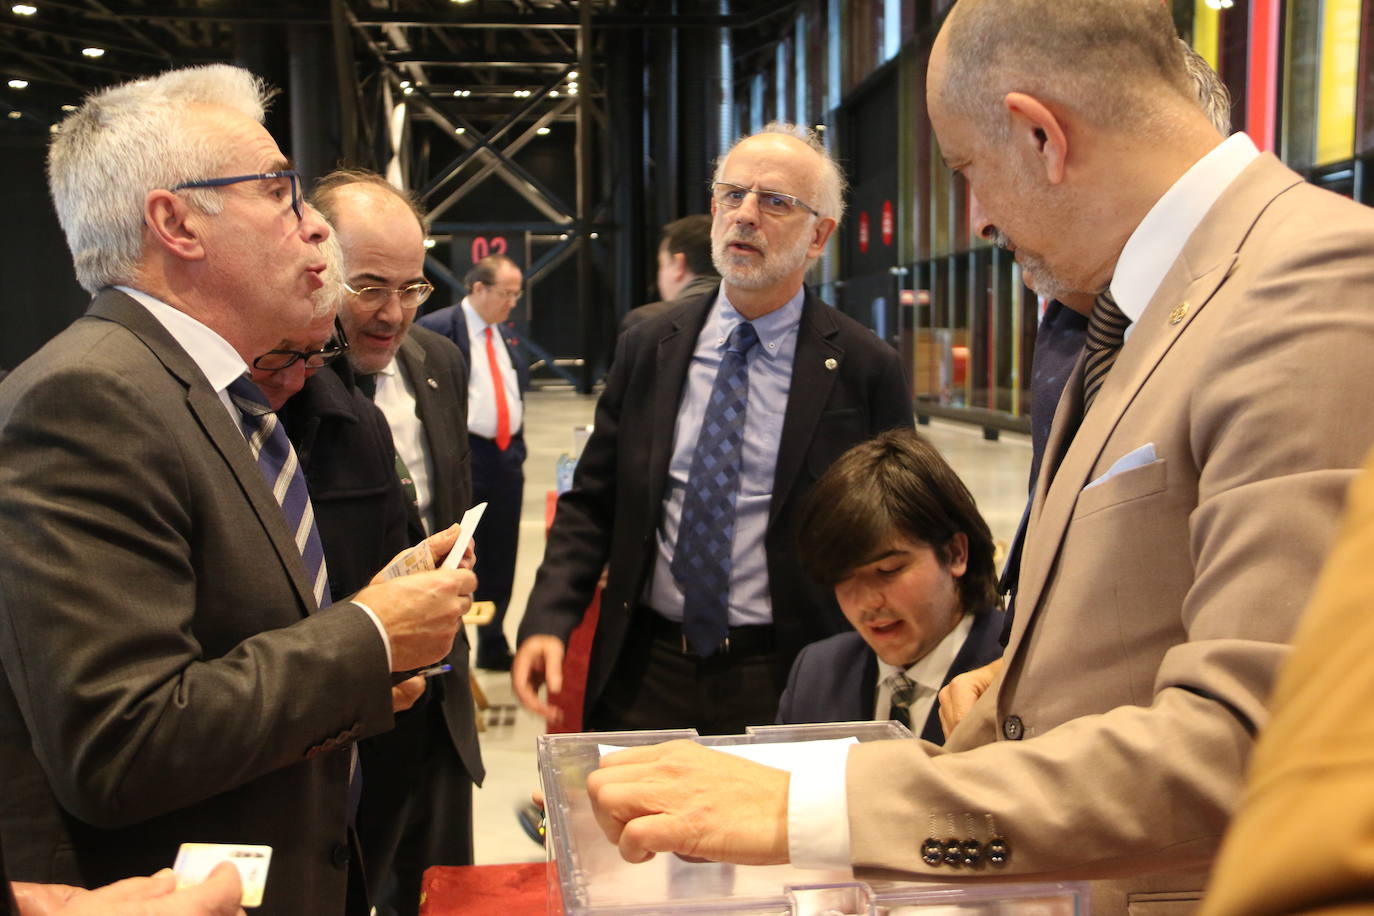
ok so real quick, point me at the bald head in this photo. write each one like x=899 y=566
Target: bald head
x=1109 y=61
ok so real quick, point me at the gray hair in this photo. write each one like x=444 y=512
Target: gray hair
x=832 y=185
x=1212 y=93
x=327 y=297
x=131 y=139
x=1106 y=59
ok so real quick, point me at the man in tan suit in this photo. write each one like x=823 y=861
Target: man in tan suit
x=1178 y=523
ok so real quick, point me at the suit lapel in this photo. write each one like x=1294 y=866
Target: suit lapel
x=868 y=688
x=1207 y=260
x=208 y=410
x=813 y=375
x=410 y=358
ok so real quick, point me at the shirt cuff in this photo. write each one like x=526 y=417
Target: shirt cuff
x=386 y=640
x=818 y=810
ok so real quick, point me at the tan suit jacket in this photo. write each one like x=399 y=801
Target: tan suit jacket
x=1154 y=608
x=1304 y=839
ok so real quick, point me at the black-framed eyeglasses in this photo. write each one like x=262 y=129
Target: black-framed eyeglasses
x=275 y=360
x=774 y=203
x=371 y=298
x=297 y=205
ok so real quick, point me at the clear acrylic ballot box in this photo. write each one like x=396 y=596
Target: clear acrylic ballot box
x=587 y=876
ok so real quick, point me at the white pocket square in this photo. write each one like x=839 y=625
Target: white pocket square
x=1135 y=458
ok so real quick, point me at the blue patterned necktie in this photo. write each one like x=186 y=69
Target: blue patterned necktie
x=277 y=460
x=706 y=532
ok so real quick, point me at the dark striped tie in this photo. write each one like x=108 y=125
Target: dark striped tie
x=903 y=691
x=706 y=531
x=1106 y=330
x=276 y=459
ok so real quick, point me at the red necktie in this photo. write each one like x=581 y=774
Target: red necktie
x=502 y=411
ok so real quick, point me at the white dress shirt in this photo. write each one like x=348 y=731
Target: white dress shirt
x=481 y=391
x=396 y=400
x=818 y=809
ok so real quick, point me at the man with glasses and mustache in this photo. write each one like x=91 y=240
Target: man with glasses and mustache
x=175 y=666
x=417 y=801
x=716 y=420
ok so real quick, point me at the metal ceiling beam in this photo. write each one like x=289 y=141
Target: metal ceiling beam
x=89 y=39
x=507 y=60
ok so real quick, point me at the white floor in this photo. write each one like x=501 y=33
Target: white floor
x=994 y=471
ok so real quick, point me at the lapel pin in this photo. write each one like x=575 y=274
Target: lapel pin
x=432 y=383
x=832 y=364
x=1177 y=314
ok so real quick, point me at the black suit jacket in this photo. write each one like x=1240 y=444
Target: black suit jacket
x=167 y=674
x=438 y=376
x=835 y=680
x=847 y=385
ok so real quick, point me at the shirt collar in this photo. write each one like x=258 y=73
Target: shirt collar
x=929 y=670
x=217 y=360
x=771 y=328
x=1159 y=239
x=474 y=321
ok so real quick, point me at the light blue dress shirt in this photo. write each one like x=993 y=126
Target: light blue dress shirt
x=770 y=379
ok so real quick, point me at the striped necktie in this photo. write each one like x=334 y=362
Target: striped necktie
x=903 y=692
x=276 y=459
x=1106 y=331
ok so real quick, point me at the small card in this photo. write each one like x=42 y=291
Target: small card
x=468 y=526
x=195 y=861
x=416 y=559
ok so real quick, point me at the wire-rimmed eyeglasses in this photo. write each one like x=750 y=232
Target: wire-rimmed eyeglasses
x=774 y=203
x=275 y=360
x=297 y=205
x=371 y=298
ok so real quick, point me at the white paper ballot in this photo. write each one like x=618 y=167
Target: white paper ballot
x=468 y=526
x=782 y=755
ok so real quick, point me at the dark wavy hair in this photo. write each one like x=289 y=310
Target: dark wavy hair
x=894 y=484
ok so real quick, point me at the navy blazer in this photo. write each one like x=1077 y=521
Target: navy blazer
x=450 y=322
x=835 y=680
x=847 y=386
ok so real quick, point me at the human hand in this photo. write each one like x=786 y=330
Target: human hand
x=421 y=613
x=537 y=662
x=404 y=694
x=958 y=696
x=218 y=895
x=691 y=800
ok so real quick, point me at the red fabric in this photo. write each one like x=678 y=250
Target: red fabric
x=486 y=890
x=502 y=408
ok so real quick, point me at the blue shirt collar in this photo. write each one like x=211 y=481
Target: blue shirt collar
x=771 y=328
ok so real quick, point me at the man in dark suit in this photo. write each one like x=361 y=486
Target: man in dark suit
x=706 y=604
x=173 y=667
x=496 y=407
x=894 y=531
x=685 y=269
x=417 y=799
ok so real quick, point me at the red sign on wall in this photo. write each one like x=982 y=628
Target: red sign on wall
x=863 y=232
x=887 y=223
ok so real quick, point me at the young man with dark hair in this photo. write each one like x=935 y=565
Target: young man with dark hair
x=894 y=531
x=685 y=269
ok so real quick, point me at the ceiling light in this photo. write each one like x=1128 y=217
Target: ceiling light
x=16 y=115
x=19 y=84
x=23 y=9
x=407 y=90
x=543 y=131
x=69 y=108
x=405 y=84
x=553 y=93
x=572 y=75
x=93 y=52
x=460 y=130
x=572 y=84
x=572 y=90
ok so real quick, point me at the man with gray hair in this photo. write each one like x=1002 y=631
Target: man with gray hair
x=174 y=667
x=717 y=418
x=1192 y=483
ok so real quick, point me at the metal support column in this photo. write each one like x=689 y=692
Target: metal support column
x=586 y=199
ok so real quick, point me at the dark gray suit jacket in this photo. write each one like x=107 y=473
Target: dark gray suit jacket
x=167 y=674
x=835 y=680
x=847 y=385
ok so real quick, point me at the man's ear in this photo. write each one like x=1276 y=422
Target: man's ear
x=956 y=554
x=679 y=262
x=171 y=222
x=1039 y=131
x=821 y=234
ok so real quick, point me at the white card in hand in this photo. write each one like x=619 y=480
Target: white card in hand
x=468 y=526
x=195 y=861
